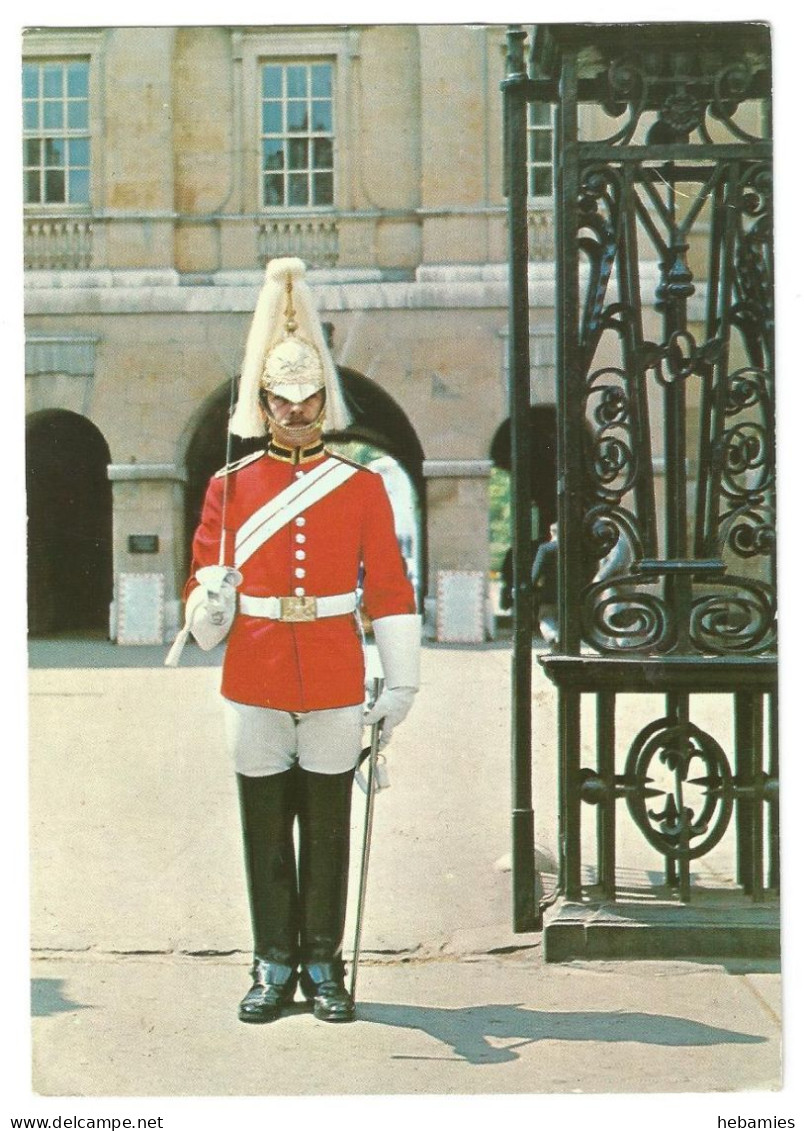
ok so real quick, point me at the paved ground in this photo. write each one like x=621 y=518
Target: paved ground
x=108 y=1026
x=140 y=937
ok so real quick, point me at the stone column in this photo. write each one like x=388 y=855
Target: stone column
x=148 y=531
x=457 y=520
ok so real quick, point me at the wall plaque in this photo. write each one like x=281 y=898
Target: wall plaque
x=140 y=608
x=143 y=543
x=461 y=607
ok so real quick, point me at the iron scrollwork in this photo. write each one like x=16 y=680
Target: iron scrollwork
x=752 y=310
x=625 y=610
x=599 y=208
x=687 y=99
x=687 y=816
x=747 y=457
x=740 y=619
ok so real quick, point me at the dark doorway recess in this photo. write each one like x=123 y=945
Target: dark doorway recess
x=69 y=525
x=544 y=483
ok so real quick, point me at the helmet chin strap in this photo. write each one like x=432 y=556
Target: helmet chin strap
x=296 y=435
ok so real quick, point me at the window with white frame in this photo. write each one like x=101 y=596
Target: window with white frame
x=56 y=145
x=540 y=149
x=297 y=135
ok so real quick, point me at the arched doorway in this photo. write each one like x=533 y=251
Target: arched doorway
x=379 y=425
x=69 y=525
x=544 y=493
x=544 y=481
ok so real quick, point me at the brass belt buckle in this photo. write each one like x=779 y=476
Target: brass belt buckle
x=297 y=608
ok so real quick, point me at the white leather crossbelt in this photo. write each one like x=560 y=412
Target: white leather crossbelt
x=298 y=608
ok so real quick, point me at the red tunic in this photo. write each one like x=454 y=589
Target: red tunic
x=312 y=665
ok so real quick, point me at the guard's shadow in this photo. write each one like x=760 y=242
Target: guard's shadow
x=468 y=1031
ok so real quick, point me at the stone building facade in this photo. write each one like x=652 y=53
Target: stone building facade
x=163 y=168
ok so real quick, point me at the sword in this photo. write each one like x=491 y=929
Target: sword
x=213 y=576
x=376 y=732
x=222 y=547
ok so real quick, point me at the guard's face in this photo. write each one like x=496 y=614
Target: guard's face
x=293 y=414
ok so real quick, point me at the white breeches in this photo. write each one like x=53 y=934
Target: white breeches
x=262 y=741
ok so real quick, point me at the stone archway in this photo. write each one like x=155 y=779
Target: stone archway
x=69 y=500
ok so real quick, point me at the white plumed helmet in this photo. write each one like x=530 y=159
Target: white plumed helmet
x=286 y=352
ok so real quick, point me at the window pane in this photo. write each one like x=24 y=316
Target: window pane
x=541 y=182
x=272 y=117
x=53 y=85
x=78 y=151
x=30 y=115
x=79 y=186
x=297 y=117
x=540 y=114
x=54 y=151
x=272 y=82
x=30 y=81
x=297 y=82
x=78 y=80
x=77 y=115
x=53 y=115
x=297 y=102
x=321 y=74
x=322 y=188
x=57 y=103
x=322 y=153
x=273 y=191
x=322 y=116
x=273 y=154
x=297 y=189
x=33 y=187
x=540 y=146
x=54 y=186
x=31 y=151
x=297 y=153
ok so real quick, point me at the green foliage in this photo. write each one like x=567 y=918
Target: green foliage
x=499 y=516
x=356 y=450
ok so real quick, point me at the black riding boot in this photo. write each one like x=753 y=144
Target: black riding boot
x=268 y=808
x=323 y=880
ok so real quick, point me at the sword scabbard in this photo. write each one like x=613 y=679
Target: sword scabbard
x=376 y=733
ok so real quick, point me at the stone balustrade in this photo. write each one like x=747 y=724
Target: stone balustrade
x=53 y=243
x=59 y=242
x=313 y=239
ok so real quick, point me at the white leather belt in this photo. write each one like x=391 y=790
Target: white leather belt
x=298 y=608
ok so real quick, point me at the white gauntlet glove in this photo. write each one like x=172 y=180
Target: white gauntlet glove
x=392 y=707
x=398 y=640
x=211 y=606
x=209 y=611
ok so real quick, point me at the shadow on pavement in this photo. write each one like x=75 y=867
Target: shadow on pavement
x=468 y=1031
x=47 y=998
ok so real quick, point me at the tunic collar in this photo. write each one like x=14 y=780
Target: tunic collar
x=296 y=455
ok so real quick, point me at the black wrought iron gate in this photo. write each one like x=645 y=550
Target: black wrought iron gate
x=664 y=300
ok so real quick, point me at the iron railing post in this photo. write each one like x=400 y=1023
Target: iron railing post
x=526 y=914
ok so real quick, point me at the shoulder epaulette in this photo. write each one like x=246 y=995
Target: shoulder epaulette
x=351 y=462
x=238 y=463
